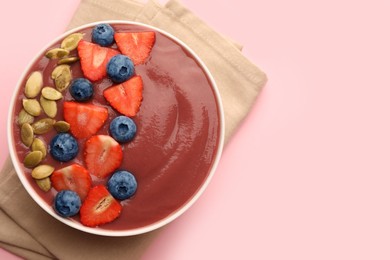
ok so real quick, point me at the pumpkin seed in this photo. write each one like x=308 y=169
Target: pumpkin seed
x=68 y=60
x=34 y=84
x=27 y=134
x=62 y=76
x=62 y=82
x=57 y=53
x=70 y=42
x=44 y=184
x=32 y=106
x=62 y=126
x=51 y=93
x=43 y=126
x=61 y=69
x=49 y=107
x=32 y=159
x=57 y=71
x=42 y=171
x=25 y=117
x=39 y=145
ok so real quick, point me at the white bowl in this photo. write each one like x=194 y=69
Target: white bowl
x=24 y=178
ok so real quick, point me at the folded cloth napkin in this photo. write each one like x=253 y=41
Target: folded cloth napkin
x=28 y=231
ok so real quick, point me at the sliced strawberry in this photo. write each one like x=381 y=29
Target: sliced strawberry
x=99 y=207
x=73 y=177
x=126 y=97
x=94 y=59
x=102 y=155
x=84 y=119
x=136 y=45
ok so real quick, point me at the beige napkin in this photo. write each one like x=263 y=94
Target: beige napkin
x=28 y=231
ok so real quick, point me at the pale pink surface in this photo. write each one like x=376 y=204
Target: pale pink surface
x=307 y=174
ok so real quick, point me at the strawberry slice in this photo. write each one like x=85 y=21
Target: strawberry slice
x=73 y=177
x=84 y=119
x=94 y=59
x=126 y=97
x=136 y=45
x=99 y=207
x=102 y=155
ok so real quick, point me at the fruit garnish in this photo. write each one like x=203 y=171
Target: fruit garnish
x=102 y=155
x=122 y=185
x=64 y=147
x=81 y=89
x=73 y=177
x=94 y=59
x=84 y=119
x=103 y=34
x=99 y=207
x=126 y=97
x=136 y=45
x=120 y=68
x=123 y=129
x=67 y=203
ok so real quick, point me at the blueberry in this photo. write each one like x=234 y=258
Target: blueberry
x=81 y=89
x=67 y=203
x=103 y=34
x=63 y=147
x=120 y=68
x=122 y=185
x=123 y=129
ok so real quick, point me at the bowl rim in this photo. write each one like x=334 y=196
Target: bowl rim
x=107 y=232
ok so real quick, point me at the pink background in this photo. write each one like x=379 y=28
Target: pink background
x=307 y=176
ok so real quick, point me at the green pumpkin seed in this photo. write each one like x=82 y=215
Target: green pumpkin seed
x=44 y=184
x=32 y=106
x=39 y=145
x=43 y=126
x=62 y=82
x=42 y=171
x=32 y=159
x=68 y=60
x=60 y=69
x=49 y=107
x=25 y=117
x=62 y=126
x=34 y=84
x=70 y=42
x=51 y=93
x=57 y=53
x=62 y=76
x=27 y=134
x=57 y=71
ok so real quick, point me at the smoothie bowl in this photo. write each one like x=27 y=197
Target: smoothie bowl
x=116 y=128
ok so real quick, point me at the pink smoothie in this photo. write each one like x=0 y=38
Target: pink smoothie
x=178 y=131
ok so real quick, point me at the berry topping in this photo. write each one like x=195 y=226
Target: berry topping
x=67 y=203
x=102 y=155
x=94 y=59
x=84 y=119
x=123 y=129
x=126 y=97
x=73 y=177
x=81 y=89
x=63 y=147
x=120 y=68
x=122 y=185
x=103 y=34
x=136 y=45
x=99 y=207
